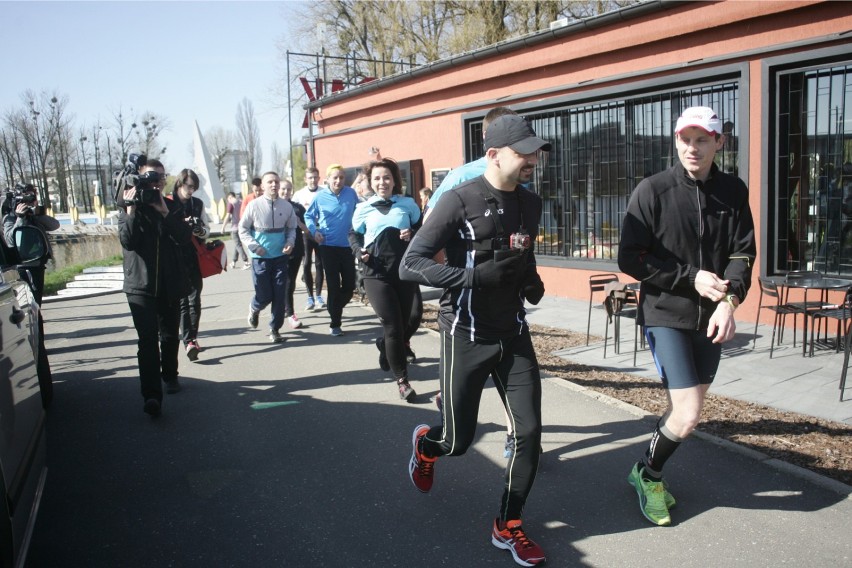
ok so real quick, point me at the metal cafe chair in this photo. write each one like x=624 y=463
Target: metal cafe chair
x=597 y=282
x=805 y=306
x=842 y=313
x=770 y=290
x=845 y=368
x=628 y=309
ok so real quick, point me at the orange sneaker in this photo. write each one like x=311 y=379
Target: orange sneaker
x=511 y=537
x=420 y=468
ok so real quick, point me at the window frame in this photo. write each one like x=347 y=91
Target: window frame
x=735 y=74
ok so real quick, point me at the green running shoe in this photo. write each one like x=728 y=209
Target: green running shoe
x=652 y=497
x=670 y=500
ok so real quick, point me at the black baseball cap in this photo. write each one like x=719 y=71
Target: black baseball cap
x=515 y=132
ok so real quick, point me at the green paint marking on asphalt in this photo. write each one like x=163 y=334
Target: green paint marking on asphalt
x=265 y=405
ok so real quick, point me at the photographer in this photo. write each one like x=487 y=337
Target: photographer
x=194 y=215
x=152 y=231
x=21 y=209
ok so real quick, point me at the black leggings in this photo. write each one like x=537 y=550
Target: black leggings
x=190 y=307
x=339 y=266
x=399 y=306
x=312 y=256
x=464 y=369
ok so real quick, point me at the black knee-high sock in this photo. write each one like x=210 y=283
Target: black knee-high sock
x=663 y=445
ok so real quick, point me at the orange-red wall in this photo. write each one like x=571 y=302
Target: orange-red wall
x=426 y=110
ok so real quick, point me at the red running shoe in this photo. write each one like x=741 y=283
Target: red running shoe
x=420 y=467
x=512 y=538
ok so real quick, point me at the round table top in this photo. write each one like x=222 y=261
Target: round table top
x=812 y=283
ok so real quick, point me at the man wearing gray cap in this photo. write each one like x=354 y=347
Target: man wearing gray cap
x=487 y=226
x=689 y=238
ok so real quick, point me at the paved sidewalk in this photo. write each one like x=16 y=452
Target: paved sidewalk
x=296 y=455
x=787 y=381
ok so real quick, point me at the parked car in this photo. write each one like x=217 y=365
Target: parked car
x=22 y=406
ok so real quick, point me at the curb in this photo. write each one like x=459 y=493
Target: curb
x=100 y=292
x=775 y=463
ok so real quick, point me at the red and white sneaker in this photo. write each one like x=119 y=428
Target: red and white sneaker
x=294 y=322
x=420 y=467
x=192 y=350
x=511 y=537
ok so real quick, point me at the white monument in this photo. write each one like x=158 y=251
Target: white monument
x=210 y=192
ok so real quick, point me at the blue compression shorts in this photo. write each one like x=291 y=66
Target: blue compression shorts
x=684 y=358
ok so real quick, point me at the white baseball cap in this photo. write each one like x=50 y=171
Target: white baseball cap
x=704 y=118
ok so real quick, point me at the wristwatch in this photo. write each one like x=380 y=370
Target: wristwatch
x=733 y=301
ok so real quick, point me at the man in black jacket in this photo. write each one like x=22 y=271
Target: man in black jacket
x=152 y=233
x=27 y=212
x=487 y=226
x=689 y=238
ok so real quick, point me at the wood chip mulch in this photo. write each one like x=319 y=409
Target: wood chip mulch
x=821 y=446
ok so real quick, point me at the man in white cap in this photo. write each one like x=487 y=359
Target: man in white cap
x=487 y=226
x=688 y=236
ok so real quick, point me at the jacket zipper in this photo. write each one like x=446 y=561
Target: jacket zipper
x=157 y=269
x=700 y=251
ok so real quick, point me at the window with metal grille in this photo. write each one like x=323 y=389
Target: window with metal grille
x=812 y=196
x=601 y=151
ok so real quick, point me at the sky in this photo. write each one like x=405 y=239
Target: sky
x=186 y=61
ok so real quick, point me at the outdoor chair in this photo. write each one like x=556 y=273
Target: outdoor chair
x=770 y=290
x=842 y=313
x=597 y=282
x=845 y=368
x=805 y=306
x=628 y=307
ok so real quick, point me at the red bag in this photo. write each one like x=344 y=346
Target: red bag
x=212 y=256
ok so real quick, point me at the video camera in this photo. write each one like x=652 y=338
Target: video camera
x=22 y=193
x=129 y=177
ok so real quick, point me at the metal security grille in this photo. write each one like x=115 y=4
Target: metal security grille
x=600 y=153
x=813 y=200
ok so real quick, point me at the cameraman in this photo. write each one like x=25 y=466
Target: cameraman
x=194 y=215
x=152 y=232
x=21 y=209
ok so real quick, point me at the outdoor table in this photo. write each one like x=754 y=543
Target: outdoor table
x=821 y=284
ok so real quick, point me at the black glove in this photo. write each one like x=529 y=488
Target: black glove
x=499 y=273
x=533 y=287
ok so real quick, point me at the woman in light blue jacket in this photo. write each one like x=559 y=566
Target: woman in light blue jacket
x=382 y=227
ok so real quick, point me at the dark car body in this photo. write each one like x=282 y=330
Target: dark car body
x=22 y=407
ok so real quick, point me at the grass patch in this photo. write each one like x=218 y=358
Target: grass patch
x=56 y=280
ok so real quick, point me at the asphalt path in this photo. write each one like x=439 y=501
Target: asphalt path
x=296 y=455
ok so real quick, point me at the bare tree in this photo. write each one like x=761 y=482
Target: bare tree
x=220 y=143
x=62 y=156
x=422 y=31
x=123 y=128
x=147 y=137
x=280 y=161
x=248 y=136
x=35 y=127
x=11 y=146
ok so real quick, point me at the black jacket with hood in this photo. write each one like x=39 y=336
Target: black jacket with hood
x=676 y=226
